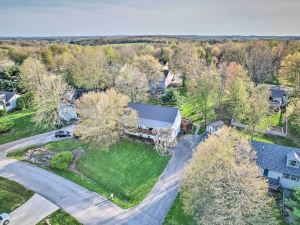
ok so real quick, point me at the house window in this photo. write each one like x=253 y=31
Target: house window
x=290 y=177
x=295 y=178
x=293 y=163
x=7 y=104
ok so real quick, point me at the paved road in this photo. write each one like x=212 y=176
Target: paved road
x=91 y=208
x=32 y=211
x=34 y=140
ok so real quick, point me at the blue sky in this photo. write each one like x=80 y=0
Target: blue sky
x=129 y=17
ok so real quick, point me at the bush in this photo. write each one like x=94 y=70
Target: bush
x=62 y=160
x=5 y=127
x=25 y=101
x=2 y=112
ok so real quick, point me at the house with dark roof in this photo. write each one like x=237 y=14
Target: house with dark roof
x=279 y=163
x=279 y=97
x=154 y=117
x=8 y=100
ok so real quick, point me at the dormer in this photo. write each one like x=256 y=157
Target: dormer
x=293 y=159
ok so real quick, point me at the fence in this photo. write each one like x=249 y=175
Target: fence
x=276 y=131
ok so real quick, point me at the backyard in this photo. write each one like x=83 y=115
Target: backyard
x=18 y=125
x=12 y=195
x=128 y=170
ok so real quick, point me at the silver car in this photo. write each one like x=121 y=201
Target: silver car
x=4 y=219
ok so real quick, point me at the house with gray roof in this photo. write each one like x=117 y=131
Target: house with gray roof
x=279 y=97
x=8 y=100
x=154 y=117
x=279 y=163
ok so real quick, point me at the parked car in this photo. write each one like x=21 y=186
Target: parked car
x=4 y=219
x=63 y=133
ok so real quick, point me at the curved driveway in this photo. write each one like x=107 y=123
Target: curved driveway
x=89 y=207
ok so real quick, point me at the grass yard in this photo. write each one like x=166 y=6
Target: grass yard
x=59 y=218
x=272 y=120
x=22 y=126
x=128 y=170
x=177 y=216
x=12 y=195
x=270 y=139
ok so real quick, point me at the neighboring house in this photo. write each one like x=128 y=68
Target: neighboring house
x=153 y=117
x=279 y=97
x=280 y=164
x=8 y=100
x=168 y=79
x=67 y=111
x=214 y=127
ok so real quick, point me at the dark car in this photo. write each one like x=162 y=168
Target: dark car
x=63 y=133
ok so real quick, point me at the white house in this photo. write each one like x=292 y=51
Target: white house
x=8 y=100
x=214 y=127
x=279 y=164
x=155 y=117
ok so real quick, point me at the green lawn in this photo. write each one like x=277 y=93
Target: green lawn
x=272 y=120
x=22 y=126
x=177 y=216
x=270 y=139
x=128 y=170
x=12 y=195
x=59 y=218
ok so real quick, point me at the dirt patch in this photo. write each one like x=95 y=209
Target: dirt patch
x=40 y=155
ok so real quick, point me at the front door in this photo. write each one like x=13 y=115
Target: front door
x=266 y=172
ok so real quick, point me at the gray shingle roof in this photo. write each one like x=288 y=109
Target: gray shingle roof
x=154 y=115
x=8 y=95
x=274 y=157
x=278 y=93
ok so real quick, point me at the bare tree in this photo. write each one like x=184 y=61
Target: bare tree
x=104 y=116
x=164 y=141
x=258 y=107
x=133 y=83
x=184 y=60
x=89 y=69
x=148 y=65
x=32 y=73
x=49 y=96
x=259 y=63
x=290 y=70
x=204 y=90
x=223 y=185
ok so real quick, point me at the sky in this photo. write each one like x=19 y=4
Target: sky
x=141 y=17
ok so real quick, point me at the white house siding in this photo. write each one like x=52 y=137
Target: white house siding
x=286 y=183
x=13 y=103
x=176 y=125
x=67 y=112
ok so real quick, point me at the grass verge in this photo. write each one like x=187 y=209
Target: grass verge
x=12 y=195
x=59 y=217
x=177 y=216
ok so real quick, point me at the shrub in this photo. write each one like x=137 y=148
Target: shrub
x=5 y=127
x=62 y=160
x=2 y=112
x=25 y=101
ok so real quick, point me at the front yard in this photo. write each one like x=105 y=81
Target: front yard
x=128 y=170
x=177 y=216
x=59 y=218
x=19 y=125
x=12 y=195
